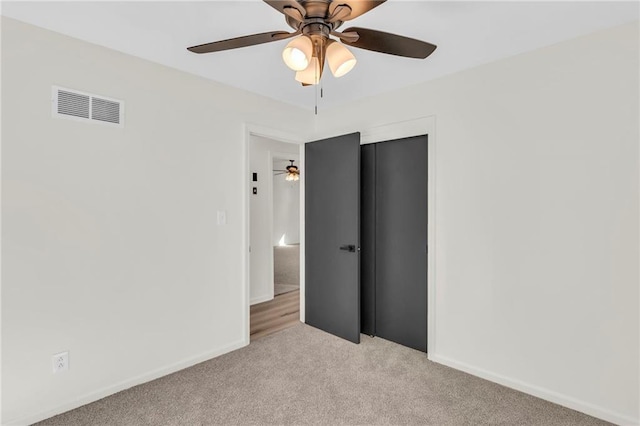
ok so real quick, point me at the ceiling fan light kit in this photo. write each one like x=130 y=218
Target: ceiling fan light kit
x=304 y=50
x=292 y=177
x=315 y=22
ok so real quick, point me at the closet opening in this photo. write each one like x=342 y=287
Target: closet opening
x=393 y=236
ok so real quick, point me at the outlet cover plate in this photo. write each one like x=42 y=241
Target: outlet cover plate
x=61 y=362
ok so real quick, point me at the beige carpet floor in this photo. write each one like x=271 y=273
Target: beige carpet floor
x=286 y=269
x=304 y=376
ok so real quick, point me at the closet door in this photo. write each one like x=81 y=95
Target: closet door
x=332 y=235
x=401 y=242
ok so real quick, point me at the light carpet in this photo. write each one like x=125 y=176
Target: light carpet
x=305 y=376
x=286 y=269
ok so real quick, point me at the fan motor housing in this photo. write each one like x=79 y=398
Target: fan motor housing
x=316 y=27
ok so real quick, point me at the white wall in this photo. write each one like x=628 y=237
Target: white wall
x=536 y=217
x=286 y=204
x=110 y=244
x=261 y=152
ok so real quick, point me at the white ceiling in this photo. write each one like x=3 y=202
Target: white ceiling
x=467 y=34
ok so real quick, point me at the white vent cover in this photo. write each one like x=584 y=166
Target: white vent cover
x=82 y=106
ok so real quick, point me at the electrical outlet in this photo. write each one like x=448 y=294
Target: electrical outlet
x=61 y=362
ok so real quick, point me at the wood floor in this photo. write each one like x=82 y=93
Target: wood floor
x=275 y=315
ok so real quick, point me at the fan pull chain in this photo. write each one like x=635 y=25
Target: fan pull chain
x=317 y=77
x=317 y=85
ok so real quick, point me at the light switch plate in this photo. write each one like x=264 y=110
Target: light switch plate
x=222 y=217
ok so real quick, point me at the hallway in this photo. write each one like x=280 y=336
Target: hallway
x=275 y=315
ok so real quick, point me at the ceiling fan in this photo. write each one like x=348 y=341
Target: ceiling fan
x=292 y=172
x=314 y=22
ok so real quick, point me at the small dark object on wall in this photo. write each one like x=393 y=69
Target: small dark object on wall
x=255 y=191
x=255 y=177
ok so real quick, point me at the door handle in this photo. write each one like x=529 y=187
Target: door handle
x=350 y=248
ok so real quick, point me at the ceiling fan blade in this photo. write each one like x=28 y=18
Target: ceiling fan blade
x=358 y=7
x=235 y=43
x=292 y=22
x=280 y=5
x=350 y=37
x=391 y=44
x=293 y=13
x=340 y=13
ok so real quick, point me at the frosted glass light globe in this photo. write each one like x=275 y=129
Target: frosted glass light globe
x=298 y=52
x=311 y=74
x=340 y=59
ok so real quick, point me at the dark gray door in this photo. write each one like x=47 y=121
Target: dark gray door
x=332 y=235
x=401 y=241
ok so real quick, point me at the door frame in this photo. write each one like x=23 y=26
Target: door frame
x=423 y=125
x=251 y=129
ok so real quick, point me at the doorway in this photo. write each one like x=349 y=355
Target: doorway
x=274 y=236
x=286 y=223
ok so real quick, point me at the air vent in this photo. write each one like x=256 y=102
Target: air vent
x=74 y=104
x=105 y=110
x=82 y=106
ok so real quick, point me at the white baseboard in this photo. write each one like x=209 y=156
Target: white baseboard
x=261 y=299
x=126 y=384
x=555 y=397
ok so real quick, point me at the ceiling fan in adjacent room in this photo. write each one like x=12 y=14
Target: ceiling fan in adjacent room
x=291 y=171
x=315 y=23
